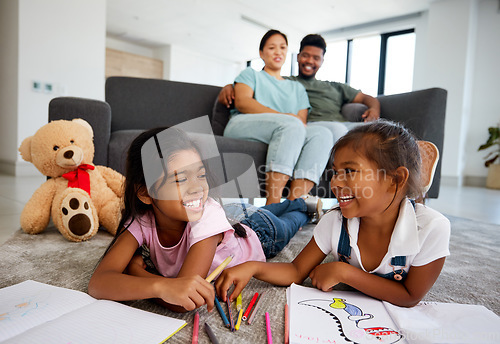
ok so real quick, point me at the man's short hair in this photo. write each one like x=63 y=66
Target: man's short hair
x=315 y=40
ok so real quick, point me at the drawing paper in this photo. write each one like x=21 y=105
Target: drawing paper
x=352 y=317
x=33 y=312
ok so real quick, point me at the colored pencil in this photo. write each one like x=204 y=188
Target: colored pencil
x=238 y=322
x=239 y=308
x=222 y=313
x=253 y=309
x=256 y=307
x=287 y=329
x=268 y=329
x=211 y=334
x=196 y=325
x=219 y=269
x=229 y=312
x=239 y=303
x=250 y=305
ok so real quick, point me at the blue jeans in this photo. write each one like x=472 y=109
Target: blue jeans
x=294 y=149
x=275 y=224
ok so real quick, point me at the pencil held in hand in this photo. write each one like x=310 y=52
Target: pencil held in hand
x=219 y=269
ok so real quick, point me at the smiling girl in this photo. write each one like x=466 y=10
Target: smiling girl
x=168 y=208
x=382 y=243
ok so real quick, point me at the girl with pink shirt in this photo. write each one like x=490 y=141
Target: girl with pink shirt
x=168 y=210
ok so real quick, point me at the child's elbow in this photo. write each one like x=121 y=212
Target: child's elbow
x=408 y=302
x=93 y=289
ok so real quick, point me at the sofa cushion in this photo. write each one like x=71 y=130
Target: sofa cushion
x=149 y=103
x=352 y=111
x=119 y=144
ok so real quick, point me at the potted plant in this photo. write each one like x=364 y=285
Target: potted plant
x=493 y=179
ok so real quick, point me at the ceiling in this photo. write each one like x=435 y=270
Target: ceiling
x=231 y=29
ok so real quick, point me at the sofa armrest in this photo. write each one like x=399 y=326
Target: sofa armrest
x=96 y=112
x=423 y=113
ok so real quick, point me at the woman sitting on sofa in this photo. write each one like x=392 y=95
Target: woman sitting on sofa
x=273 y=110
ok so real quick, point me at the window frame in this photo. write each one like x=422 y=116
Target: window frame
x=384 y=37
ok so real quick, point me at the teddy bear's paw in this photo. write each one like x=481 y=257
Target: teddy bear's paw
x=78 y=216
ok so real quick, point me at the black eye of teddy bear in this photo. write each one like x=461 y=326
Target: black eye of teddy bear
x=56 y=148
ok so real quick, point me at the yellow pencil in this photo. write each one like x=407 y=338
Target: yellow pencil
x=239 y=307
x=238 y=323
x=219 y=269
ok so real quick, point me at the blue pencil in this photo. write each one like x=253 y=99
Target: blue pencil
x=222 y=313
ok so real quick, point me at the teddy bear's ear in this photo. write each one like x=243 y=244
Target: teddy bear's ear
x=25 y=149
x=85 y=124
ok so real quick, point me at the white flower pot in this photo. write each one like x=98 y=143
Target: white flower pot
x=493 y=179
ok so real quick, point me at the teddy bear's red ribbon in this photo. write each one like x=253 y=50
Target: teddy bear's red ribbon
x=79 y=178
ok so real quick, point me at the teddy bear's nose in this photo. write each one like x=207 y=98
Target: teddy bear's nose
x=68 y=154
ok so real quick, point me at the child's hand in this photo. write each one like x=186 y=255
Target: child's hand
x=189 y=292
x=326 y=276
x=238 y=275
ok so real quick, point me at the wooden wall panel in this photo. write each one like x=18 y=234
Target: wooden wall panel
x=120 y=63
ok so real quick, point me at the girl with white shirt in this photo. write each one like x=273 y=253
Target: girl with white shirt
x=382 y=242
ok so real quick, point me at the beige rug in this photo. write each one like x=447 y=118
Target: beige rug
x=470 y=275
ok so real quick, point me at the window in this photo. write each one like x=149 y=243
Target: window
x=364 y=62
x=378 y=64
x=334 y=64
x=400 y=56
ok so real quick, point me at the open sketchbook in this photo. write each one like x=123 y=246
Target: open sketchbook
x=352 y=317
x=33 y=312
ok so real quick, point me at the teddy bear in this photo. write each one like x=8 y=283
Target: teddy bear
x=78 y=195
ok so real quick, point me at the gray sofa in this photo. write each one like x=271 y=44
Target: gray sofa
x=134 y=104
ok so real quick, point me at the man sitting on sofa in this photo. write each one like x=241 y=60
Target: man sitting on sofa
x=326 y=97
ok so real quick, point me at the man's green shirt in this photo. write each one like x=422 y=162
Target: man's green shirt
x=326 y=98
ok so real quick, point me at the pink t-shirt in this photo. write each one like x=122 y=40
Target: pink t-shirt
x=168 y=260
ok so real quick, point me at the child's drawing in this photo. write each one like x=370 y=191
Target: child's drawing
x=349 y=317
x=23 y=307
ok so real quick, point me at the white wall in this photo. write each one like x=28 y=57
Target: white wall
x=485 y=106
x=59 y=42
x=447 y=63
x=118 y=44
x=181 y=64
x=190 y=66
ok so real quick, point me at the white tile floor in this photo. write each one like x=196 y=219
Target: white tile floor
x=469 y=202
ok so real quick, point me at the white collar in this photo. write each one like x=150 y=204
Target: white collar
x=404 y=238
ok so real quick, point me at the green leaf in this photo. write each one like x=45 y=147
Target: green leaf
x=491 y=161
